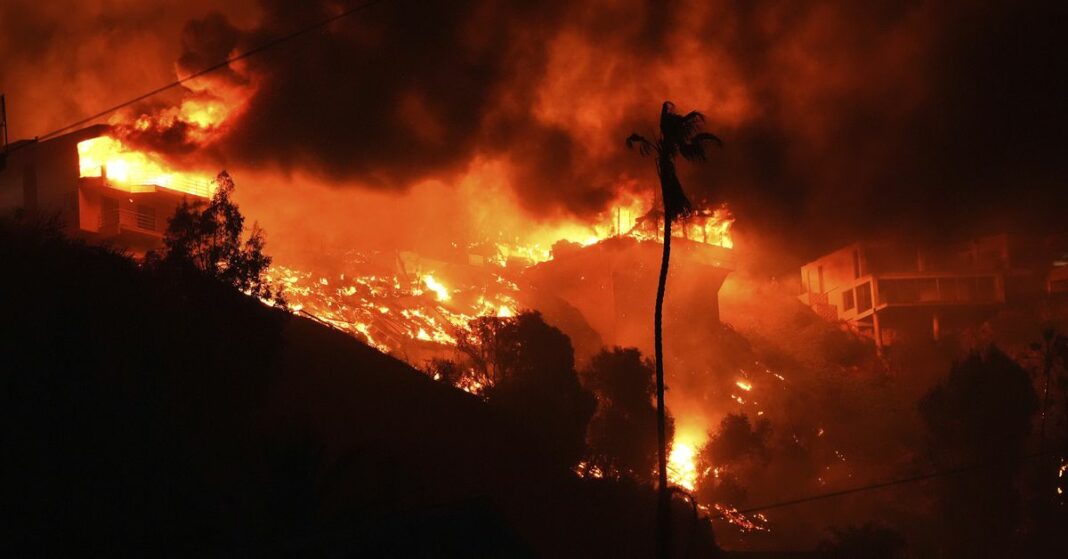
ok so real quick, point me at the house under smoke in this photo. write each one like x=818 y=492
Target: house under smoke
x=892 y=290
x=613 y=284
x=62 y=178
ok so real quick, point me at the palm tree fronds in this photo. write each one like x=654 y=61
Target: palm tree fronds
x=692 y=122
x=708 y=137
x=645 y=147
x=694 y=150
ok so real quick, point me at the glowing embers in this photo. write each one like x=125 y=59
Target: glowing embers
x=754 y=523
x=1061 y=477
x=392 y=310
x=133 y=171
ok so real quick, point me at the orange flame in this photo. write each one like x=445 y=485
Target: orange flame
x=682 y=461
x=135 y=171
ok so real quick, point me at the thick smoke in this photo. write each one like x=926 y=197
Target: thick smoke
x=841 y=119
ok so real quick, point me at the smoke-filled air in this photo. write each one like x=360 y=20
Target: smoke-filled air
x=535 y=279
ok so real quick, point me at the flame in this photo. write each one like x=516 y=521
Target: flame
x=388 y=311
x=130 y=170
x=682 y=461
x=628 y=216
x=437 y=287
x=201 y=118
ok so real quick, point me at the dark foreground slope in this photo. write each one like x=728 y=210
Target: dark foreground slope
x=144 y=415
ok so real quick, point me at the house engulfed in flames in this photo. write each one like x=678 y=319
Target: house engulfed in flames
x=98 y=188
x=611 y=284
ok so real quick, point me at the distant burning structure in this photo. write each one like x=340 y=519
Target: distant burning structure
x=890 y=290
x=99 y=189
x=610 y=283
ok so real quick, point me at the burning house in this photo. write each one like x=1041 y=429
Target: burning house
x=612 y=284
x=98 y=188
x=888 y=290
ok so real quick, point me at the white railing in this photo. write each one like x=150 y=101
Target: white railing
x=114 y=221
x=201 y=188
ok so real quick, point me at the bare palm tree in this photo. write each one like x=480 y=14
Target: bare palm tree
x=679 y=135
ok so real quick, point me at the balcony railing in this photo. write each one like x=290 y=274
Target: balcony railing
x=174 y=183
x=115 y=221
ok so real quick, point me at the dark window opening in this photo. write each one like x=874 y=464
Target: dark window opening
x=864 y=297
x=146 y=217
x=109 y=212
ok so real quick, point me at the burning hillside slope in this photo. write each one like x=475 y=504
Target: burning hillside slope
x=257 y=431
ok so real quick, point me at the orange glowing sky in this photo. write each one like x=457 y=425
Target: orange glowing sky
x=840 y=118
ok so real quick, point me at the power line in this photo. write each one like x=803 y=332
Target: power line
x=873 y=487
x=265 y=46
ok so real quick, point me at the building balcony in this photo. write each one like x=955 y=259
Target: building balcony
x=118 y=221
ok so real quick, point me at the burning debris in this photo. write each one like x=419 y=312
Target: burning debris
x=391 y=303
x=399 y=302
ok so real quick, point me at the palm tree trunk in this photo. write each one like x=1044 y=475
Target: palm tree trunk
x=663 y=509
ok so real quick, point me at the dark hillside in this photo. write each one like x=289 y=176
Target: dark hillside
x=152 y=415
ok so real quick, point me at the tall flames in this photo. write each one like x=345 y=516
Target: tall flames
x=399 y=302
x=115 y=157
x=128 y=169
x=683 y=460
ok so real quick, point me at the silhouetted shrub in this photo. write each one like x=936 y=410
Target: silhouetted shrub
x=531 y=369
x=208 y=238
x=981 y=414
x=622 y=434
x=867 y=541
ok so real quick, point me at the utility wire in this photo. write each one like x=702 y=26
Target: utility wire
x=872 y=487
x=251 y=52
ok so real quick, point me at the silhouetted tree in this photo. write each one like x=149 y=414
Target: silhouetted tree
x=980 y=414
x=678 y=136
x=622 y=434
x=531 y=368
x=736 y=449
x=208 y=238
x=1045 y=484
x=737 y=439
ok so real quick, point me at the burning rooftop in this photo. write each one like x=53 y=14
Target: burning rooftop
x=98 y=187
